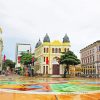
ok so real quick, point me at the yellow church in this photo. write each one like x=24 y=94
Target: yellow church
x=48 y=53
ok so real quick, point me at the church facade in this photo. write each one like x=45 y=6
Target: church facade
x=48 y=54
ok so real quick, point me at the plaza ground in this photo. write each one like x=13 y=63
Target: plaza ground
x=32 y=88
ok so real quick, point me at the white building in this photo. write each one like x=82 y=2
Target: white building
x=1 y=48
x=21 y=48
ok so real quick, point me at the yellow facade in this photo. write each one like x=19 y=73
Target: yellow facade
x=52 y=51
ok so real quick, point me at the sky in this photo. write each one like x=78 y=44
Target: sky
x=25 y=21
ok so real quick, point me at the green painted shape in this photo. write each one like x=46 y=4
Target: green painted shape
x=10 y=82
x=72 y=88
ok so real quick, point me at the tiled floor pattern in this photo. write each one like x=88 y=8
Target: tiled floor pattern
x=39 y=85
x=16 y=96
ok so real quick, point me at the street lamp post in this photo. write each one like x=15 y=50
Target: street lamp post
x=32 y=69
x=4 y=59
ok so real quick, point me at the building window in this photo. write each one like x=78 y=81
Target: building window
x=46 y=69
x=90 y=51
x=55 y=50
x=93 y=58
x=99 y=48
x=86 y=71
x=43 y=69
x=65 y=50
x=59 y=50
x=82 y=61
x=44 y=50
x=88 y=59
x=52 y=50
x=47 y=50
x=99 y=57
x=44 y=59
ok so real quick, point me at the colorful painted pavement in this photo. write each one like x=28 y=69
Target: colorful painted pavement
x=49 y=88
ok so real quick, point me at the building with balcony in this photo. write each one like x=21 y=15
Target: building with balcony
x=90 y=59
x=48 y=53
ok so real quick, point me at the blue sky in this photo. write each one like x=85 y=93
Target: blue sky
x=25 y=21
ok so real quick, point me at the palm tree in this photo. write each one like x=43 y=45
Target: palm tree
x=68 y=58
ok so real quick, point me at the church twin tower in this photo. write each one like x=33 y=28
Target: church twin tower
x=47 y=39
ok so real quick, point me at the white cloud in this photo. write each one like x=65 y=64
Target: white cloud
x=29 y=20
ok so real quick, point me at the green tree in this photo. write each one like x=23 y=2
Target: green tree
x=9 y=63
x=26 y=58
x=68 y=58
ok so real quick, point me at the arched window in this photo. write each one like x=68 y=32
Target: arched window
x=43 y=69
x=56 y=50
x=52 y=50
x=84 y=70
x=44 y=50
x=59 y=50
x=65 y=50
x=46 y=69
x=44 y=59
x=88 y=59
x=93 y=58
x=47 y=50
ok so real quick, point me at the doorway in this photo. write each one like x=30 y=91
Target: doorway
x=56 y=69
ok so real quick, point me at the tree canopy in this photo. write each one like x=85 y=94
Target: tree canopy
x=68 y=58
x=26 y=58
x=9 y=63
